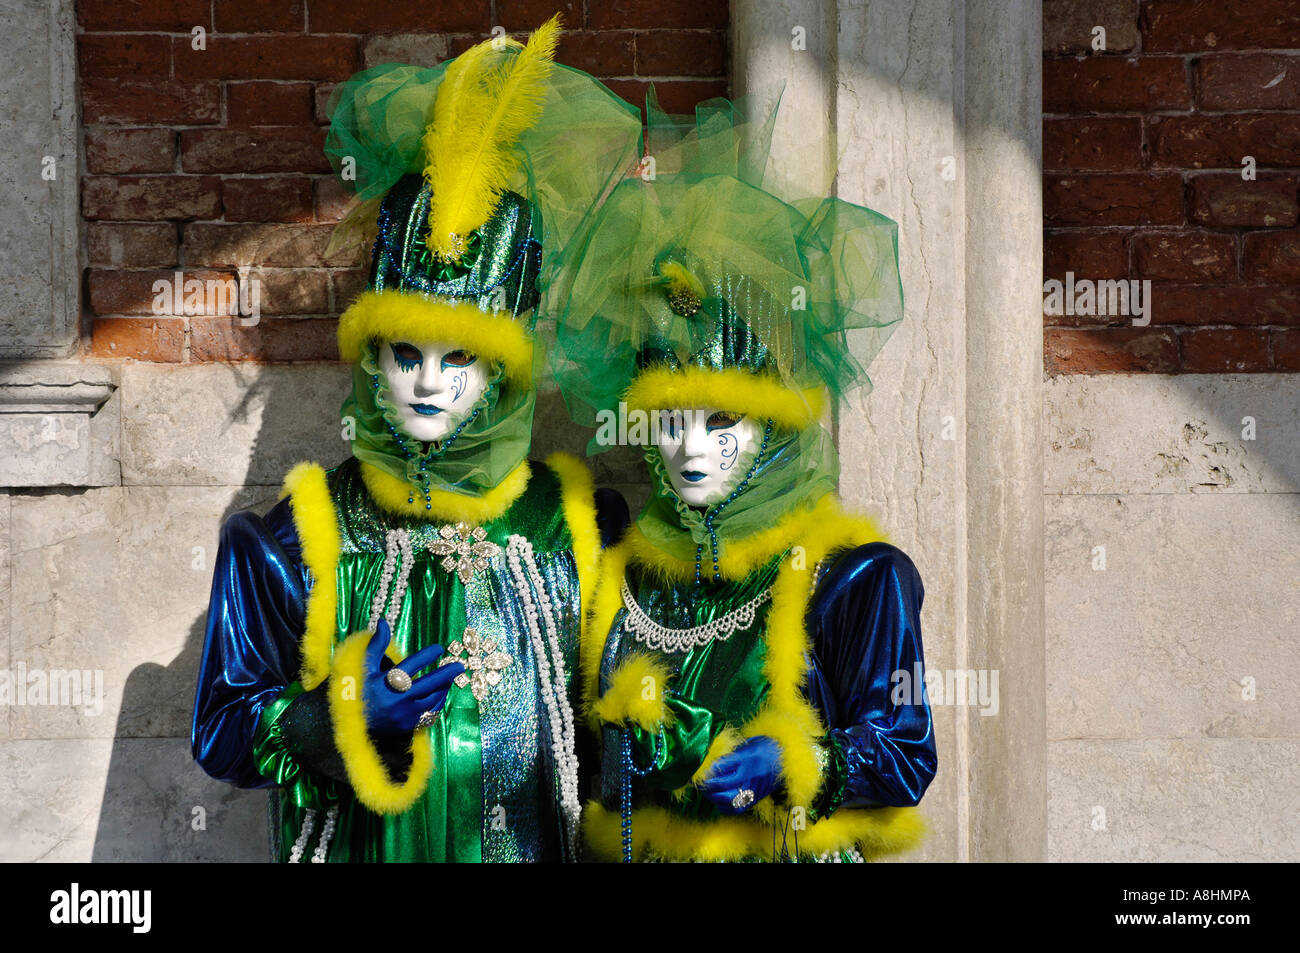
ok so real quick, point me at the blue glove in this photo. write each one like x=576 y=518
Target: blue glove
x=390 y=712
x=754 y=766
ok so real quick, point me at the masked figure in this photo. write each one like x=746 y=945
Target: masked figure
x=391 y=647
x=740 y=660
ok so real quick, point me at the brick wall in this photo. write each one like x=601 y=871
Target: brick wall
x=208 y=160
x=1143 y=146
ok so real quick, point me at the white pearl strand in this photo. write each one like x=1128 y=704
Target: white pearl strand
x=519 y=552
x=397 y=541
x=672 y=641
x=308 y=823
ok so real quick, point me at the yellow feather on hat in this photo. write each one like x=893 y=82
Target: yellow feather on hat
x=485 y=103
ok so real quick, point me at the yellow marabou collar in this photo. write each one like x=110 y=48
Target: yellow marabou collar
x=739 y=557
x=392 y=495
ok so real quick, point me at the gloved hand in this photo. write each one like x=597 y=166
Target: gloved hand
x=389 y=712
x=755 y=766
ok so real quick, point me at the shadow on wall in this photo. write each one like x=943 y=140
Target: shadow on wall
x=158 y=804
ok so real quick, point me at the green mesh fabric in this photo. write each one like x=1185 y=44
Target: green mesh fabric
x=790 y=279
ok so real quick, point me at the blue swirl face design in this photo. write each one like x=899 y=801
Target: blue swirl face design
x=433 y=385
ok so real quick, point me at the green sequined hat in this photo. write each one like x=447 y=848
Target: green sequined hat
x=472 y=177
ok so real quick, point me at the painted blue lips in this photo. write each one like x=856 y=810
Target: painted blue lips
x=427 y=409
x=694 y=476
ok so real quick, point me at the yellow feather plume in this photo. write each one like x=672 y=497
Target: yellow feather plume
x=486 y=102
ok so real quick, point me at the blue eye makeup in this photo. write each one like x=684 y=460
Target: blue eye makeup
x=672 y=424
x=723 y=420
x=458 y=359
x=407 y=356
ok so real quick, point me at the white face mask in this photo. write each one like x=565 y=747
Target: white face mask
x=433 y=384
x=706 y=452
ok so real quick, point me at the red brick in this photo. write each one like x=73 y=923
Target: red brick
x=1272 y=256
x=1120 y=199
x=602 y=54
x=1187 y=256
x=1086 y=253
x=530 y=14
x=149 y=198
x=1068 y=25
x=1234 y=304
x=127 y=55
x=346 y=285
x=1105 y=145
x=174 y=16
x=131 y=245
x=269 y=57
x=322 y=102
x=1248 y=81
x=1222 y=141
x=292 y=290
x=268 y=104
x=675 y=95
x=681 y=53
x=1227 y=200
x=1219 y=351
x=661 y=15
x=140 y=339
x=259 y=149
x=116 y=151
x=1110 y=84
x=258 y=16
x=133 y=292
x=267 y=199
x=400 y=16
x=1285 y=347
x=267 y=245
x=1186 y=26
x=1110 y=351
x=333 y=201
x=277 y=339
x=160 y=101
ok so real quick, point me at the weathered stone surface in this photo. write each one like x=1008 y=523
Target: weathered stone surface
x=77 y=800
x=5 y=562
x=59 y=425
x=227 y=425
x=1189 y=629
x=1172 y=434
x=1208 y=800
x=116 y=581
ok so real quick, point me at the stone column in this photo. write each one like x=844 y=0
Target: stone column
x=929 y=112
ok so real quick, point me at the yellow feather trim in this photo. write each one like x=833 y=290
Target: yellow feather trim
x=365 y=767
x=762 y=396
x=578 y=501
x=398 y=315
x=485 y=103
x=636 y=694
x=738 y=557
x=608 y=600
x=875 y=832
x=318 y=534
x=391 y=494
x=723 y=743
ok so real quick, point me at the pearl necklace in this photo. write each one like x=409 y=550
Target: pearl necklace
x=673 y=641
x=527 y=581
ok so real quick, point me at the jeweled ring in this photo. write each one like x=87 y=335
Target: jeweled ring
x=426 y=719
x=744 y=797
x=398 y=680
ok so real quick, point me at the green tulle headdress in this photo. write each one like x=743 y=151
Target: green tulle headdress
x=471 y=178
x=702 y=283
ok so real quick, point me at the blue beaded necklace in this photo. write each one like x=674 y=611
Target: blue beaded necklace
x=625 y=786
x=712 y=514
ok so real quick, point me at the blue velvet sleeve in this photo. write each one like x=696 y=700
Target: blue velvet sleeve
x=256 y=617
x=865 y=624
